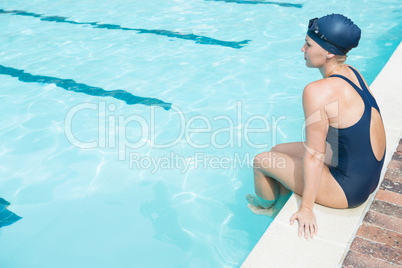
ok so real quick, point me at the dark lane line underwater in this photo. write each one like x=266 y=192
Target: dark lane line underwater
x=6 y=217
x=199 y=39
x=259 y=2
x=71 y=85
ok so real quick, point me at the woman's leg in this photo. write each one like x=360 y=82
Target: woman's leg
x=265 y=187
x=268 y=190
x=270 y=195
x=277 y=172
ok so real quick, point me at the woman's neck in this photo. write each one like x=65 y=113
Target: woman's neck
x=330 y=68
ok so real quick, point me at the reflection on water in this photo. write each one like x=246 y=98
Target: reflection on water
x=197 y=225
x=164 y=218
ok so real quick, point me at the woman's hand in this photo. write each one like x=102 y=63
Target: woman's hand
x=307 y=222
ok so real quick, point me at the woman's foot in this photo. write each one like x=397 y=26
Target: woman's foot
x=252 y=200
x=267 y=208
x=270 y=208
x=270 y=212
x=260 y=202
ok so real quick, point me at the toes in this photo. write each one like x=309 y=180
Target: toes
x=252 y=199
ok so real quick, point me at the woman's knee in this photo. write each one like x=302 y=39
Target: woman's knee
x=294 y=148
x=265 y=160
x=277 y=148
x=259 y=159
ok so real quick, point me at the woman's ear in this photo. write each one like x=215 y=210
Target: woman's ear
x=330 y=55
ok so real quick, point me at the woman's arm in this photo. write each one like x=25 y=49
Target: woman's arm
x=316 y=128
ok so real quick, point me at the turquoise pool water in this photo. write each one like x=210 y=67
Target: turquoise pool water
x=128 y=127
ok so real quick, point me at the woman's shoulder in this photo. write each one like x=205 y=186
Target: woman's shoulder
x=317 y=84
x=323 y=86
x=322 y=91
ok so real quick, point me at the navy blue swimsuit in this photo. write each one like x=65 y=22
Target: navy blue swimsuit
x=353 y=163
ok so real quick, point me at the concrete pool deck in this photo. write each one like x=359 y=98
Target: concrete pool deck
x=281 y=247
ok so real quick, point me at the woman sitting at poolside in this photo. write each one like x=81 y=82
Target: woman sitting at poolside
x=339 y=109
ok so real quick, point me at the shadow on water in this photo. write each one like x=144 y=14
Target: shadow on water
x=255 y=2
x=199 y=39
x=71 y=85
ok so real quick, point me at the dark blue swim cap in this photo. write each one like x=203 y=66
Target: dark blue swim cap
x=335 y=33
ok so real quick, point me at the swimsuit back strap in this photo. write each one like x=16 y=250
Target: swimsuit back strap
x=366 y=101
x=370 y=97
x=361 y=93
x=361 y=82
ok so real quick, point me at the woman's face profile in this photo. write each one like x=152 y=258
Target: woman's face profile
x=314 y=54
